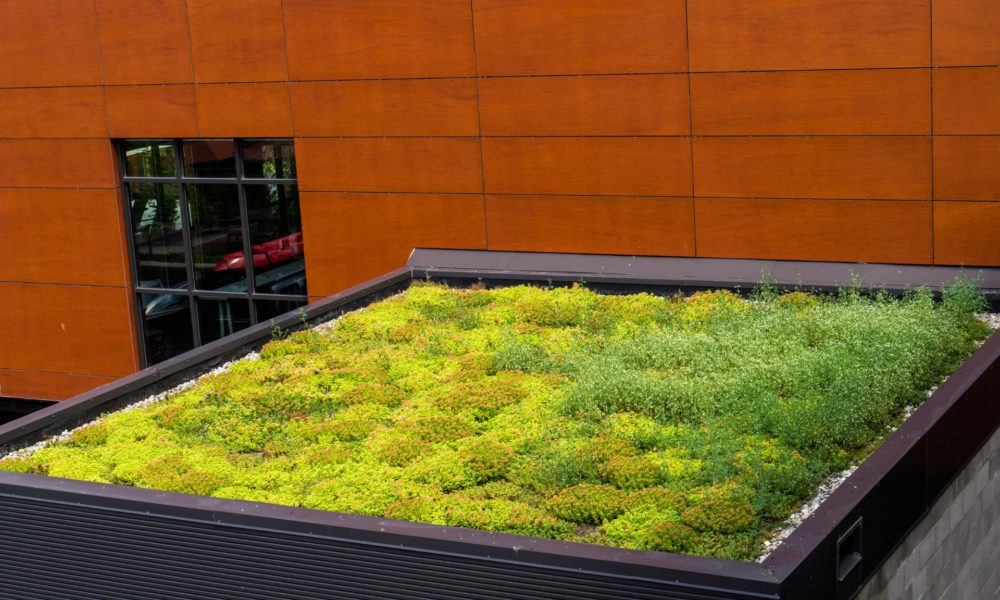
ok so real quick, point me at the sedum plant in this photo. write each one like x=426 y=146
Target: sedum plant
x=684 y=424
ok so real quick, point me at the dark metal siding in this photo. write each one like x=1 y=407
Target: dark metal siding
x=56 y=551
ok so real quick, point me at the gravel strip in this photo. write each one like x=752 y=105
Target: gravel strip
x=991 y=319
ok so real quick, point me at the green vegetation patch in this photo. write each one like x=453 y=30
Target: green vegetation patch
x=685 y=424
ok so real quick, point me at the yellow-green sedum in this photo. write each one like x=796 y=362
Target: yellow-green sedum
x=682 y=424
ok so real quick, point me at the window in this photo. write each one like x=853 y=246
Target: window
x=197 y=209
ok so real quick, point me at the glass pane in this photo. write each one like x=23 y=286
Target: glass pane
x=166 y=325
x=276 y=238
x=145 y=158
x=269 y=160
x=157 y=236
x=210 y=158
x=270 y=309
x=218 y=317
x=216 y=237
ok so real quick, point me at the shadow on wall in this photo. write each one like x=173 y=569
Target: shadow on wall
x=13 y=408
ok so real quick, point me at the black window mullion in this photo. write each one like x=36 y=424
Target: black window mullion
x=245 y=224
x=132 y=262
x=188 y=242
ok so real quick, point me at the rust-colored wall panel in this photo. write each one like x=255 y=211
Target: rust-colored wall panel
x=967 y=100
x=61 y=236
x=813 y=167
x=370 y=39
x=152 y=111
x=48 y=42
x=435 y=165
x=62 y=112
x=244 y=110
x=647 y=166
x=878 y=102
x=237 y=40
x=967 y=168
x=591 y=225
x=43 y=385
x=836 y=230
x=967 y=233
x=354 y=237
x=592 y=105
x=56 y=163
x=62 y=328
x=144 y=41
x=736 y=35
x=540 y=37
x=965 y=32
x=389 y=107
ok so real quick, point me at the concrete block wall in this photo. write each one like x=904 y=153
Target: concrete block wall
x=954 y=552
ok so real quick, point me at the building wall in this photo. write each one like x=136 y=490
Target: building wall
x=849 y=130
x=954 y=552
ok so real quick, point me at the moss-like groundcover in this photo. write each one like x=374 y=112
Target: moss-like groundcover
x=681 y=424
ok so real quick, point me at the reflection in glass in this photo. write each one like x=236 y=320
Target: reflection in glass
x=268 y=160
x=149 y=158
x=166 y=325
x=216 y=237
x=209 y=158
x=270 y=309
x=276 y=239
x=157 y=235
x=218 y=317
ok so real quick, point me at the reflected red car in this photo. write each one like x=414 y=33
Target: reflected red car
x=273 y=252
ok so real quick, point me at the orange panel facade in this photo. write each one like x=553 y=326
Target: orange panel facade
x=237 y=40
x=965 y=32
x=49 y=43
x=46 y=385
x=735 y=35
x=61 y=236
x=409 y=164
x=965 y=101
x=575 y=106
x=52 y=112
x=637 y=166
x=594 y=225
x=967 y=168
x=959 y=231
x=813 y=167
x=77 y=329
x=152 y=111
x=228 y=110
x=378 y=39
x=383 y=224
x=538 y=37
x=132 y=52
x=56 y=163
x=400 y=107
x=860 y=102
x=784 y=129
x=834 y=230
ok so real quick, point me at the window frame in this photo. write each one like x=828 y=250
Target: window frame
x=181 y=180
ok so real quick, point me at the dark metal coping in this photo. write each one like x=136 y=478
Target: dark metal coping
x=691 y=273
x=890 y=492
